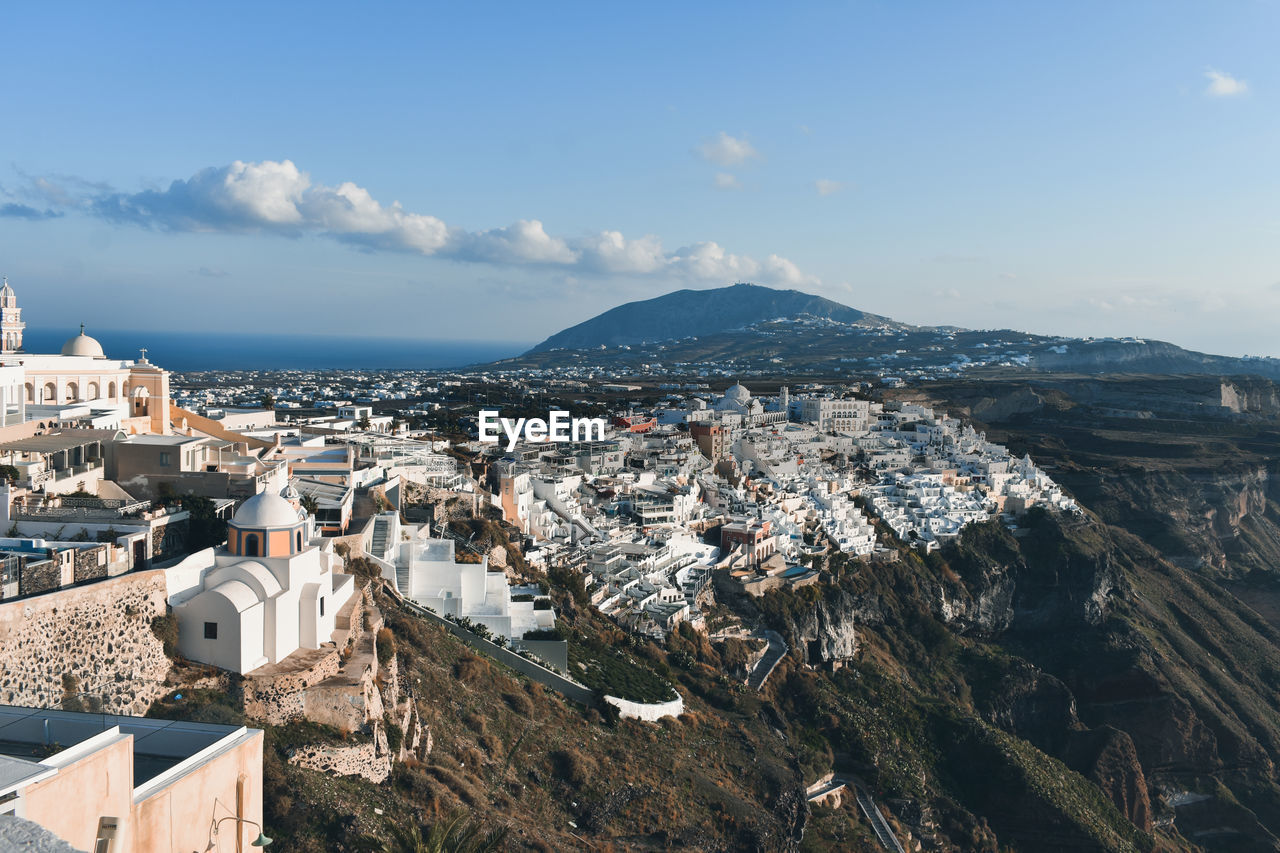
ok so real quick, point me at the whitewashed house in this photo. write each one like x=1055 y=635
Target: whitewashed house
x=269 y=593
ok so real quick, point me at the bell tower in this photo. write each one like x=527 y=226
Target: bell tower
x=11 y=324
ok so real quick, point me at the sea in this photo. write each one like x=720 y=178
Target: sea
x=192 y=351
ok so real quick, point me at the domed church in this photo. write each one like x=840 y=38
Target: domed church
x=267 y=594
x=115 y=393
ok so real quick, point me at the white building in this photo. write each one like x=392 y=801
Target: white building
x=467 y=590
x=829 y=415
x=78 y=384
x=264 y=596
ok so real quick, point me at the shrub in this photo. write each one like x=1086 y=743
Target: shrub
x=386 y=644
x=519 y=703
x=570 y=765
x=166 y=630
x=395 y=737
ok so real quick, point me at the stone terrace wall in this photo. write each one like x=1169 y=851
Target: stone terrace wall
x=98 y=634
x=278 y=699
x=371 y=759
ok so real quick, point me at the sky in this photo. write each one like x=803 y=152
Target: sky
x=499 y=171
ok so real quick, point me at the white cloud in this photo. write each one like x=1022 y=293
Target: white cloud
x=726 y=150
x=726 y=181
x=279 y=198
x=610 y=252
x=825 y=186
x=1223 y=85
x=525 y=242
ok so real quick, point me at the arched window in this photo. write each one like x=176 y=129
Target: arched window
x=93 y=391
x=111 y=390
x=50 y=393
x=251 y=545
x=31 y=393
x=73 y=392
x=298 y=537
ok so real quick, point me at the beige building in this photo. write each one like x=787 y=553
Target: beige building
x=120 y=784
x=79 y=383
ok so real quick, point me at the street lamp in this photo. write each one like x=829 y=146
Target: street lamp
x=260 y=841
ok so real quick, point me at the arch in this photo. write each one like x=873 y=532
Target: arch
x=31 y=392
x=50 y=393
x=73 y=392
x=124 y=390
x=250 y=545
x=298 y=541
x=111 y=390
x=94 y=391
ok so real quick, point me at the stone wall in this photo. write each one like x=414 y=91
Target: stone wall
x=91 y=563
x=371 y=759
x=276 y=699
x=98 y=636
x=39 y=576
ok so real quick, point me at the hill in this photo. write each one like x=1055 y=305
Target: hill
x=692 y=313
x=747 y=330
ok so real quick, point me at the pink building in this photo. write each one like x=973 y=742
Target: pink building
x=119 y=784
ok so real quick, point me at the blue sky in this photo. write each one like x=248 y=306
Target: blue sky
x=505 y=170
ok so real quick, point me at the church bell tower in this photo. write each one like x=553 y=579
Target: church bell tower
x=11 y=324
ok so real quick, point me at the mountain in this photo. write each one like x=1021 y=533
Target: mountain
x=692 y=313
x=747 y=330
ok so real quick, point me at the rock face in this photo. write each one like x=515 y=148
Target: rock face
x=1108 y=758
x=94 y=640
x=986 y=611
x=826 y=633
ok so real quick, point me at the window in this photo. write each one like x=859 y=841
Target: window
x=322 y=605
x=251 y=545
x=165 y=459
x=211 y=630
x=299 y=540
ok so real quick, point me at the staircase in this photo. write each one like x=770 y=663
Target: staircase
x=381 y=532
x=878 y=823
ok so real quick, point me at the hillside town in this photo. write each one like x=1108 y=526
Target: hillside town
x=262 y=516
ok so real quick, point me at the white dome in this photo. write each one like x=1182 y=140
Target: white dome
x=738 y=393
x=266 y=510
x=83 y=345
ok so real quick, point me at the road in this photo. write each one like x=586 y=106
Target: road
x=776 y=652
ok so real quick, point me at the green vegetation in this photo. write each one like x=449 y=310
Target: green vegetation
x=612 y=671
x=166 y=630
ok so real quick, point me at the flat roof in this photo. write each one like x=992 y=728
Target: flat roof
x=28 y=735
x=18 y=772
x=53 y=442
x=164 y=439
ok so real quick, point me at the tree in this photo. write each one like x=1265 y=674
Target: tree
x=310 y=504
x=268 y=400
x=205 y=528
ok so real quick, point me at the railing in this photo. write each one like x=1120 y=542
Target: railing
x=86 y=511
